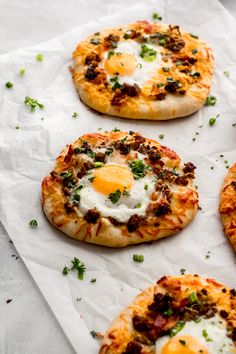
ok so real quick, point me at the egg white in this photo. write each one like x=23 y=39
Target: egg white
x=215 y=327
x=144 y=70
x=126 y=205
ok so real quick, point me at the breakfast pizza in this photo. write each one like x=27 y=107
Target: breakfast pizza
x=143 y=71
x=118 y=188
x=177 y=315
x=228 y=205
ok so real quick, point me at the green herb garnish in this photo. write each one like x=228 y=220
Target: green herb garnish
x=145 y=186
x=114 y=197
x=115 y=82
x=205 y=335
x=177 y=328
x=183 y=342
x=115 y=130
x=139 y=205
x=194 y=51
x=32 y=103
x=165 y=69
x=193 y=35
x=168 y=313
x=93 y=280
x=65 y=271
x=75 y=115
x=226 y=73
x=39 y=57
x=156 y=16
x=138 y=168
x=192 y=298
x=161 y=136
x=79 y=266
x=22 y=71
x=9 y=84
x=182 y=271
x=138 y=258
x=148 y=54
x=195 y=74
x=212 y=121
x=160 y=84
x=91 y=179
x=210 y=101
x=98 y=164
x=33 y=224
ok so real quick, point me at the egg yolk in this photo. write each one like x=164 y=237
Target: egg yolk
x=121 y=63
x=109 y=178
x=184 y=344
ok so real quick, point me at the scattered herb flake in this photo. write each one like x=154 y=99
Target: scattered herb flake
x=156 y=16
x=177 y=328
x=32 y=103
x=75 y=115
x=192 y=298
x=95 y=41
x=226 y=73
x=65 y=270
x=22 y=71
x=114 y=197
x=17 y=127
x=98 y=164
x=33 y=224
x=138 y=258
x=212 y=121
x=146 y=186
x=148 y=54
x=165 y=69
x=79 y=266
x=9 y=84
x=234 y=125
x=39 y=57
x=93 y=280
x=183 y=342
x=205 y=335
x=8 y=301
x=194 y=51
x=116 y=130
x=161 y=136
x=138 y=168
x=91 y=179
x=193 y=35
x=182 y=271
x=168 y=313
x=138 y=206
x=210 y=101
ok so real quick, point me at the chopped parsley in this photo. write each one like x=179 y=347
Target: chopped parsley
x=95 y=41
x=109 y=151
x=33 y=104
x=93 y=280
x=139 y=205
x=226 y=73
x=182 y=271
x=65 y=270
x=126 y=193
x=138 y=258
x=210 y=101
x=138 y=168
x=76 y=196
x=33 y=224
x=79 y=266
x=110 y=53
x=156 y=16
x=9 y=84
x=148 y=54
x=17 y=127
x=212 y=121
x=194 y=51
x=193 y=35
x=91 y=179
x=75 y=115
x=177 y=328
x=168 y=313
x=145 y=186
x=234 y=125
x=115 y=82
x=98 y=164
x=205 y=335
x=22 y=71
x=160 y=84
x=115 y=130
x=97 y=34
x=39 y=57
x=192 y=298
x=114 y=197
x=161 y=136
x=208 y=254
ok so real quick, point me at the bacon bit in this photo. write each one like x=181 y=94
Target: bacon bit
x=146 y=26
x=69 y=154
x=160 y=322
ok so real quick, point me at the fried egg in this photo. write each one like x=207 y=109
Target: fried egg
x=102 y=183
x=126 y=63
x=207 y=336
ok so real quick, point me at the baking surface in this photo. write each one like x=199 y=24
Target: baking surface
x=45 y=250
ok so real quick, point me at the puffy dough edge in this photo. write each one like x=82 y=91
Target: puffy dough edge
x=227 y=206
x=120 y=331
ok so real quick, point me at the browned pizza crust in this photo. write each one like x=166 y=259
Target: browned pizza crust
x=172 y=205
x=176 y=88
x=227 y=206
x=134 y=331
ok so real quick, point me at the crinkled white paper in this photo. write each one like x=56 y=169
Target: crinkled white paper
x=28 y=154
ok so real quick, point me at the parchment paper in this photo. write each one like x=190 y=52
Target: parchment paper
x=27 y=154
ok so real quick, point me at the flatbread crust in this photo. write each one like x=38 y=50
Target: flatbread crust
x=227 y=207
x=121 y=332
x=172 y=206
x=190 y=63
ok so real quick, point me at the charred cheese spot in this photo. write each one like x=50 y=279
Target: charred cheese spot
x=112 y=177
